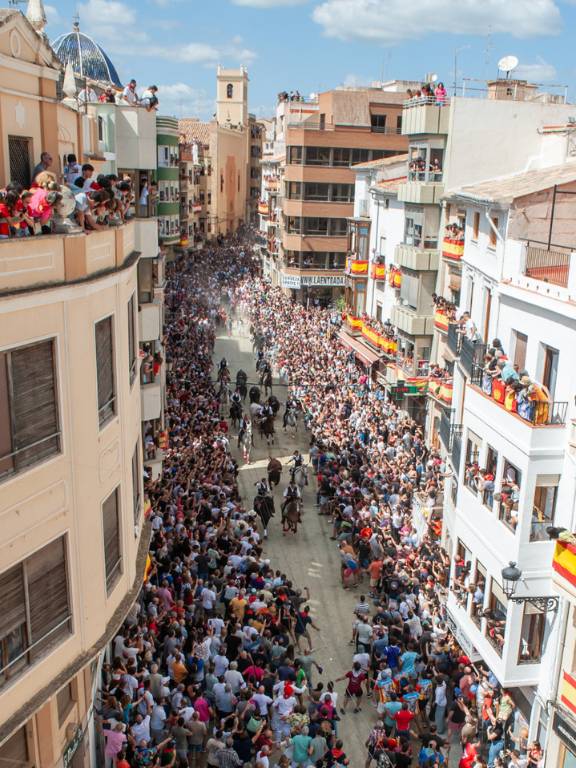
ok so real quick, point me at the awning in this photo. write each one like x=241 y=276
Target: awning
x=362 y=352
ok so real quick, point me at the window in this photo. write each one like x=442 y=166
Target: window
x=229 y=91
x=105 y=371
x=238 y=181
x=112 y=545
x=132 y=341
x=476 y=226
x=294 y=155
x=221 y=182
x=509 y=495
x=399 y=124
x=317 y=156
x=496 y=617
x=478 y=589
x=315 y=191
x=410 y=289
x=378 y=123
x=100 y=128
x=341 y=157
x=29 y=421
x=136 y=483
x=36 y=611
x=342 y=193
x=413 y=227
x=19 y=154
x=544 y=506
x=492 y=234
x=550 y=372
x=338 y=227
x=360 y=156
x=472 y=471
x=315 y=225
x=64 y=702
x=531 y=635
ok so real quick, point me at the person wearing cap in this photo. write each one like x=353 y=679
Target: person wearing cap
x=149 y=99
x=129 y=94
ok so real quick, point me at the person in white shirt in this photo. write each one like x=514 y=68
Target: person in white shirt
x=262 y=701
x=129 y=93
x=233 y=678
x=87 y=94
x=221 y=664
x=141 y=728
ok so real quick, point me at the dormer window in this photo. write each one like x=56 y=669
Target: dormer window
x=229 y=91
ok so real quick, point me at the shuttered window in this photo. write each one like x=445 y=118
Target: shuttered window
x=35 y=613
x=112 y=545
x=136 y=473
x=105 y=370
x=29 y=423
x=410 y=289
x=132 y=339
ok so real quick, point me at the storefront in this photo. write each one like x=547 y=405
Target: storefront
x=565 y=729
x=315 y=289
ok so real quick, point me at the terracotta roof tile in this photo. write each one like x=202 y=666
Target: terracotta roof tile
x=194 y=130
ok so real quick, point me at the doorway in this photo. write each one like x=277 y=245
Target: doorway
x=19 y=154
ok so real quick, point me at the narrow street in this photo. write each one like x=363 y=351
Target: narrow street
x=310 y=558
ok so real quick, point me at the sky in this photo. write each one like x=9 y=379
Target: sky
x=313 y=45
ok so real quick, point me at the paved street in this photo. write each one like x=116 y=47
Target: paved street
x=310 y=558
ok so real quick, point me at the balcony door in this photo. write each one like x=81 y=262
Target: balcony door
x=520 y=345
x=550 y=374
x=19 y=154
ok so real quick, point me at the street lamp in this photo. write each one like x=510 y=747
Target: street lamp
x=511 y=575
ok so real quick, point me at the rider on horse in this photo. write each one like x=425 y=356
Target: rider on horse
x=292 y=492
x=262 y=487
x=290 y=406
x=298 y=460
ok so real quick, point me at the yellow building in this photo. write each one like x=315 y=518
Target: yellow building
x=74 y=542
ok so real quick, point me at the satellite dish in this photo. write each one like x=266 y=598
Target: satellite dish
x=433 y=77
x=507 y=64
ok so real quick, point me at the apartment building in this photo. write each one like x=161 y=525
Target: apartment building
x=195 y=177
x=324 y=138
x=510 y=445
x=168 y=178
x=74 y=539
x=254 y=183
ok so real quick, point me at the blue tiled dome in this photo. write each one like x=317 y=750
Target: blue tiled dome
x=87 y=57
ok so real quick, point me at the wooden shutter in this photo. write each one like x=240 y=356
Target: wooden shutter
x=131 y=339
x=13 y=601
x=112 y=552
x=6 y=457
x=47 y=586
x=14 y=752
x=34 y=410
x=105 y=370
x=136 y=482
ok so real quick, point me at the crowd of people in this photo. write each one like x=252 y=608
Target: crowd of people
x=92 y=201
x=128 y=95
x=215 y=664
x=428 y=94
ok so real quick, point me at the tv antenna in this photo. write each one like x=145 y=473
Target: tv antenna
x=507 y=64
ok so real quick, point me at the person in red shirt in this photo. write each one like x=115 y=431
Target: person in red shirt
x=354 y=688
x=403 y=719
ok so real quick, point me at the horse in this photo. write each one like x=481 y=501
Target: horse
x=290 y=516
x=245 y=442
x=241 y=378
x=301 y=477
x=291 y=421
x=223 y=375
x=235 y=413
x=264 y=506
x=242 y=390
x=223 y=395
x=254 y=394
x=274 y=470
x=266 y=425
x=266 y=380
x=274 y=403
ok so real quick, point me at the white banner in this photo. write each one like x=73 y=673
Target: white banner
x=290 y=281
x=327 y=280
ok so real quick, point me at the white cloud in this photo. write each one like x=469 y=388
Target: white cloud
x=182 y=100
x=52 y=15
x=196 y=53
x=538 y=72
x=268 y=3
x=111 y=21
x=391 y=21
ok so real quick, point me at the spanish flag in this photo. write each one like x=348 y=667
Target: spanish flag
x=452 y=249
x=568 y=692
x=564 y=562
x=148 y=568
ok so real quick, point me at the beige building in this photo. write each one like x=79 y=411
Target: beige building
x=74 y=544
x=195 y=179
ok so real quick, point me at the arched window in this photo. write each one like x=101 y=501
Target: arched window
x=229 y=90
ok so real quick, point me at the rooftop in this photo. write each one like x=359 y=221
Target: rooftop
x=192 y=129
x=383 y=162
x=88 y=59
x=390 y=185
x=507 y=188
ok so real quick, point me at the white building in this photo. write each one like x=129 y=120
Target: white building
x=518 y=286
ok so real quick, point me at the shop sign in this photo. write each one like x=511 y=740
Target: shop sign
x=71 y=747
x=461 y=638
x=326 y=280
x=290 y=281
x=565 y=731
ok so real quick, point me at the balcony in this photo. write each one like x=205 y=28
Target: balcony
x=378 y=271
x=356 y=267
x=445 y=430
x=129 y=135
x=452 y=248
x=416 y=258
x=425 y=191
x=441 y=390
x=471 y=354
x=408 y=321
x=151 y=398
x=536 y=410
x=47 y=260
x=361 y=327
x=263 y=209
x=456 y=449
x=548 y=266
x=150 y=322
x=425 y=116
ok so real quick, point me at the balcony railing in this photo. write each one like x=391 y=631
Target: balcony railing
x=471 y=354
x=445 y=430
x=418 y=101
x=550 y=266
x=533 y=407
x=456 y=451
x=454 y=338
x=428 y=177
